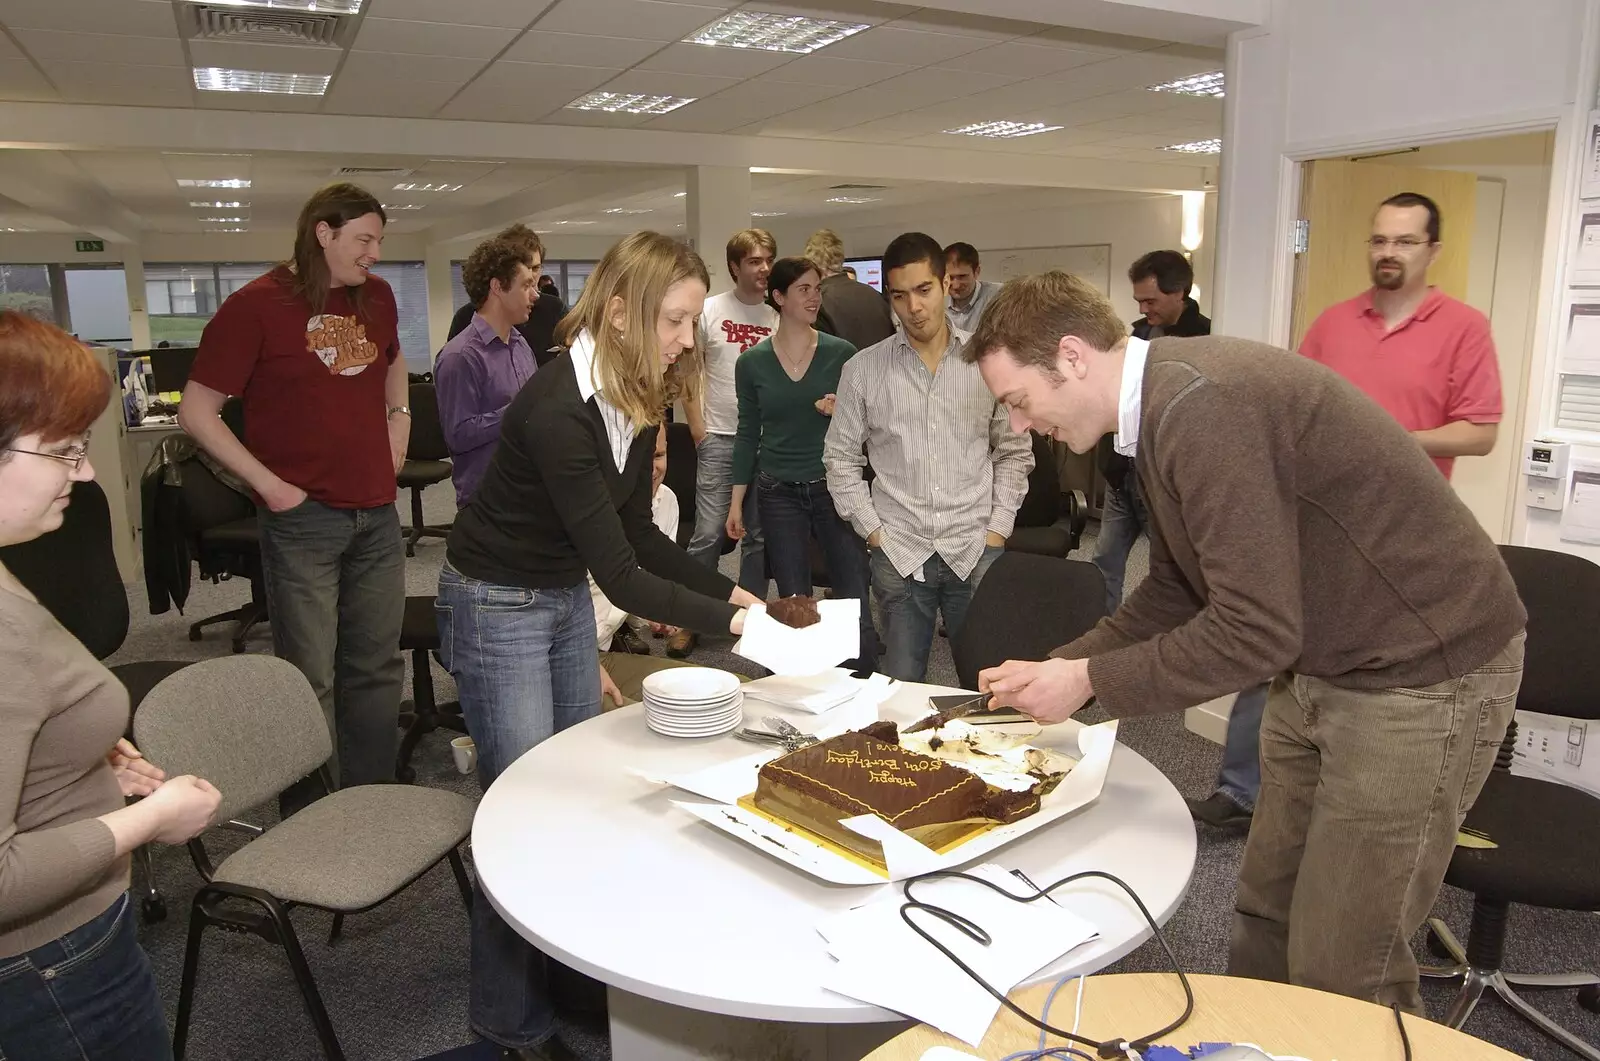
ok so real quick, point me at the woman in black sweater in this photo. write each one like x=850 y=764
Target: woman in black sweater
x=568 y=492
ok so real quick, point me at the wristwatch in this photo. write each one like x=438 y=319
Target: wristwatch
x=399 y=409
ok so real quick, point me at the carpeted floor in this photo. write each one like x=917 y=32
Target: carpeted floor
x=396 y=983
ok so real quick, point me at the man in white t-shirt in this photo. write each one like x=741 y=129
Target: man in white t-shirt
x=622 y=674
x=730 y=324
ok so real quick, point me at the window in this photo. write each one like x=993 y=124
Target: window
x=97 y=304
x=26 y=288
x=182 y=297
x=410 y=283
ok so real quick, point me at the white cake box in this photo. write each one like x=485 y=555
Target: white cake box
x=726 y=783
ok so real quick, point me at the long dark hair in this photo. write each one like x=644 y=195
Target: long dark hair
x=337 y=204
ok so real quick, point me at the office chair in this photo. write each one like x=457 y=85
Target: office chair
x=226 y=541
x=1026 y=606
x=73 y=572
x=252 y=726
x=421 y=715
x=1548 y=834
x=1038 y=527
x=682 y=465
x=427 y=461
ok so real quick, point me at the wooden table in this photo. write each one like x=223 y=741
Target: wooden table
x=1284 y=1020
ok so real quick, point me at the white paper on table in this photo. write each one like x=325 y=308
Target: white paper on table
x=819 y=693
x=816 y=648
x=883 y=961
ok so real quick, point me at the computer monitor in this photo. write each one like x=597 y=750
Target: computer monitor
x=868 y=270
x=169 y=367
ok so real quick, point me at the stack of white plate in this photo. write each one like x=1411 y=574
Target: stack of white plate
x=692 y=702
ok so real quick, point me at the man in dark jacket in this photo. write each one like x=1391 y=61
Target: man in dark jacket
x=850 y=309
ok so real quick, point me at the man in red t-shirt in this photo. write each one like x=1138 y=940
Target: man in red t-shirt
x=1429 y=361
x=1426 y=358
x=312 y=349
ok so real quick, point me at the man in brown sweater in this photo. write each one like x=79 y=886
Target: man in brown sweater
x=1295 y=534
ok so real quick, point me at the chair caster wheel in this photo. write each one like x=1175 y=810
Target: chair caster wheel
x=1437 y=948
x=1589 y=998
x=153 y=908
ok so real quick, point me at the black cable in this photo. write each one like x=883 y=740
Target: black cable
x=1111 y=1048
x=1399 y=1020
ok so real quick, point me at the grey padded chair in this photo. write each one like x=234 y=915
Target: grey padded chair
x=252 y=726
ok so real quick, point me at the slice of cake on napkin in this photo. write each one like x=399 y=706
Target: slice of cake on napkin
x=856 y=773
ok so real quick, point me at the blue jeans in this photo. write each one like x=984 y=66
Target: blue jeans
x=336 y=596
x=1122 y=518
x=526 y=666
x=713 y=493
x=87 y=994
x=910 y=608
x=1240 y=777
x=793 y=513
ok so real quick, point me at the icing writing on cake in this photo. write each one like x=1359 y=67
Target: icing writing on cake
x=853 y=757
x=886 y=777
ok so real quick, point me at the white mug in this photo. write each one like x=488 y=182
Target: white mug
x=466 y=754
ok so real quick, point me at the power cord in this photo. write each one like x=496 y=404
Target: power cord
x=1113 y=1048
x=1399 y=1022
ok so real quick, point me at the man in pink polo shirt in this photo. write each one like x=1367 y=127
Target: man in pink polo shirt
x=1425 y=357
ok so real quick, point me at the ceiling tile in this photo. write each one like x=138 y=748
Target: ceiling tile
x=869 y=11
x=601 y=119
x=286 y=59
x=45 y=44
x=117 y=75
x=890 y=44
x=640 y=19
x=506 y=14
x=579 y=49
x=844 y=74
x=1159 y=122
x=21 y=80
x=147 y=18
x=502 y=93
x=431 y=38
x=961 y=23
x=1017 y=57
x=741 y=105
x=932 y=85
x=381 y=70
x=721 y=62
x=397 y=99
x=694 y=86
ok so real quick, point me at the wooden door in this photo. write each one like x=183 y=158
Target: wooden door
x=1338 y=199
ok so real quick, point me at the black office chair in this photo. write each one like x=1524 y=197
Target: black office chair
x=73 y=572
x=1548 y=835
x=225 y=539
x=427 y=462
x=421 y=715
x=1038 y=527
x=682 y=466
x=1026 y=606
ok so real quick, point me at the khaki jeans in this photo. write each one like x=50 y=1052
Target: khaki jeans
x=1362 y=792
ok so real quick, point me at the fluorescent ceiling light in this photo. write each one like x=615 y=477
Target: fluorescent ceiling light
x=774 y=33
x=221 y=79
x=218 y=204
x=1198 y=147
x=231 y=182
x=572 y=222
x=768 y=213
x=402 y=206
x=851 y=200
x=628 y=103
x=679 y=195
x=428 y=187
x=17 y=230
x=320 y=7
x=229 y=228
x=1197 y=85
x=629 y=210
x=225 y=220
x=1003 y=130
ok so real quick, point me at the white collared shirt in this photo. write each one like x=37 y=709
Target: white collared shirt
x=1130 y=404
x=620 y=430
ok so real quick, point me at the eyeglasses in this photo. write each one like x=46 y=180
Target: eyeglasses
x=1404 y=243
x=74 y=456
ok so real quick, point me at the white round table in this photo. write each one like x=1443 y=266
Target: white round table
x=597 y=868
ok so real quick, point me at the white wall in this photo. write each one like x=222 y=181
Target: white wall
x=1130 y=226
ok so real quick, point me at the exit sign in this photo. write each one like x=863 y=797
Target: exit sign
x=91 y=246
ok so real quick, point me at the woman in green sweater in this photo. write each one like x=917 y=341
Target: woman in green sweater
x=786 y=390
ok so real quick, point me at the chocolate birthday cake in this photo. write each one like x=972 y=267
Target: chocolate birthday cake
x=858 y=773
x=798 y=612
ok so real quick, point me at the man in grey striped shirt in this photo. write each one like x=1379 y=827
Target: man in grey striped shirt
x=950 y=471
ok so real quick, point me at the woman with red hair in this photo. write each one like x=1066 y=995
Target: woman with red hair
x=73 y=981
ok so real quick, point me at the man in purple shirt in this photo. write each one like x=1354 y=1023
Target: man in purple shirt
x=482 y=369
